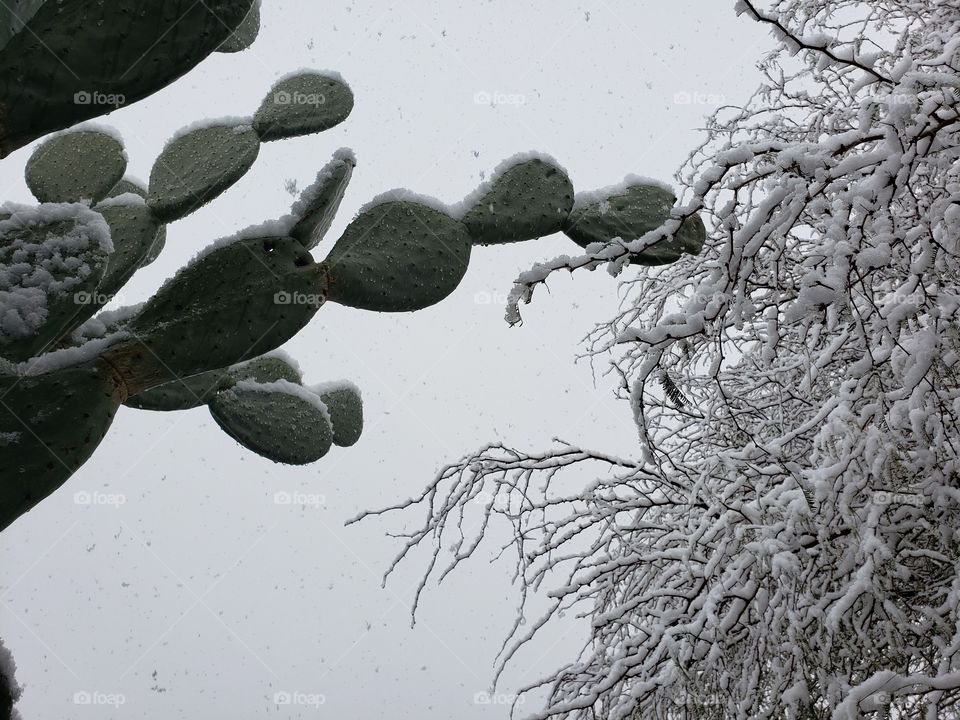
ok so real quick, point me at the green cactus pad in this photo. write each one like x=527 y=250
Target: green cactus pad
x=303 y=104
x=52 y=259
x=49 y=425
x=245 y=34
x=528 y=200
x=237 y=302
x=345 y=406
x=78 y=59
x=319 y=203
x=75 y=166
x=133 y=231
x=198 y=166
x=398 y=256
x=280 y=421
x=630 y=213
x=128 y=185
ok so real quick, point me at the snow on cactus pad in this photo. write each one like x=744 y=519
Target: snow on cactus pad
x=74 y=166
x=280 y=420
x=52 y=259
x=528 y=197
x=198 y=165
x=398 y=256
x=303 y=103
x=629 y=211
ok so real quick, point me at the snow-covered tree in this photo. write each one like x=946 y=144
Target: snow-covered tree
x=783 y=542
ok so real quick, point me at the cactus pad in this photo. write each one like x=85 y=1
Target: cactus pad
x=75 y=166
x=303 y=104
x=398 y=256
x=319 y=203
x=528 y=200
x=133 y=231
x=631 y=212
x=345 y=406
x=196 y=167
x=280 y=420
x=234 y=303
x=49 y=425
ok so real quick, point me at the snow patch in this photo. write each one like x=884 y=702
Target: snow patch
x=330 y=74
x=404 y=195
x=333 y=386
x=238 y=123
x=37 y=267
x=128 y=199
x=287 y=388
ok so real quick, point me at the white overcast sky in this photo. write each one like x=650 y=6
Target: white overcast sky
x=202 y=598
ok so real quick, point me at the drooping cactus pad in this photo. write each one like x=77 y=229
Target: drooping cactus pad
x=280 y=420
x=345 y=406
x=526 y=200
x=398 y=256
x=628 y=213
x=305 y=103
x=196 y=167
x=76 y=166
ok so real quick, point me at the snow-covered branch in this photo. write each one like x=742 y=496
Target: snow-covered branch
x=785 y=543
